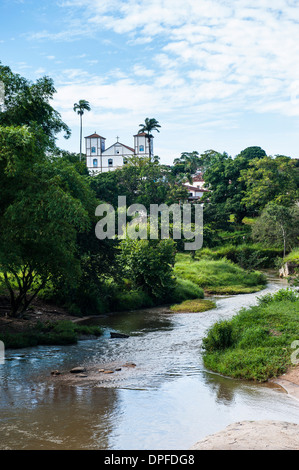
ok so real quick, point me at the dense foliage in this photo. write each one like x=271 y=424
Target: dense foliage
x=47 y=216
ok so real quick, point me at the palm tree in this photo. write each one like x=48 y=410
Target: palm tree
x=149 y=126
x=188 y=163
x=80 y=107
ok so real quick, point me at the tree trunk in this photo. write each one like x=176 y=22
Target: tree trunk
x=149 y=148
x=80 y=136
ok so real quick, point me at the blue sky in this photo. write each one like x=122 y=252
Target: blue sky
x=216 y=74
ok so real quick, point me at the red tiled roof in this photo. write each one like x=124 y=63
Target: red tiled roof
x=130 y=148
x=198 y=177
x=141 y=133
x=123 y=145
x=95 y=136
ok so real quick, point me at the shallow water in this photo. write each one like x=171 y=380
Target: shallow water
x=169 y=401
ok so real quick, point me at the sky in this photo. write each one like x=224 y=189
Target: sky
x=216 y=74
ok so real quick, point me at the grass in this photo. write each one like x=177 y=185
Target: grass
x=57 y=333
x=256 y=344
x=193 y=306
x=293 y=256
x=218 y=276
x=248 y=256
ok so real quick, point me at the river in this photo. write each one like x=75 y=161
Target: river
x=168 y=401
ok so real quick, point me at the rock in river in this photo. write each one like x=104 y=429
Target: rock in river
x=77 y=370
x=118 y=335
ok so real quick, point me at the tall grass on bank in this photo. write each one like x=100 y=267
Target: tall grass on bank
x=51 y=333
x=248 y=256
x=293 y=256
x=256 y=344
x=218 y=276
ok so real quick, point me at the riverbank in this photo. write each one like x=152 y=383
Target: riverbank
x=253 y=435
x=256 y=344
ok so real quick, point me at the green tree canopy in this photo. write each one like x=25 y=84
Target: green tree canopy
x=270 y=179
x=28 y=104
x=222 y=177
x=278 y=226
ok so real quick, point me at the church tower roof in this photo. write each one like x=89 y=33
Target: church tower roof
x=95 y=136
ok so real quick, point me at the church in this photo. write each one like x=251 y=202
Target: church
x=100 y=159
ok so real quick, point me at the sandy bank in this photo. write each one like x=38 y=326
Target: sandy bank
x=289 y=381
x=253 y=435
x=259 y=435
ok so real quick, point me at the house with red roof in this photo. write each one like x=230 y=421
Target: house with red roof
x=196 y=189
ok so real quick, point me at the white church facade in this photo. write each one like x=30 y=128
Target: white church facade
x=100 y=159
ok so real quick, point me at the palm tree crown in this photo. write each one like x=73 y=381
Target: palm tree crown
x=80 y=107
x=149 y=126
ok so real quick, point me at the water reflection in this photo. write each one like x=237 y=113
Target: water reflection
x=168 y=401
x=61 y=418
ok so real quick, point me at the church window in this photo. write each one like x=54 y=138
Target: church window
x=110 y=162
x=93 y=150
x=141 y=148
x=103 y=145
x=95 y=162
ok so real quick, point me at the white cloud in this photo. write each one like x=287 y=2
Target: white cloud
x=199 y=58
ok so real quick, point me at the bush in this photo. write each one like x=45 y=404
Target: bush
x=219 y=337
x=149 y=265
x=280 y=296
x=131 y=300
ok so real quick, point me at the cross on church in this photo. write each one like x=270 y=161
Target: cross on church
x=117 y=138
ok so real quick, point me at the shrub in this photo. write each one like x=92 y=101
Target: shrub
x=280 y=296
x=131 y=300
x=219 y=337
x=149 y=265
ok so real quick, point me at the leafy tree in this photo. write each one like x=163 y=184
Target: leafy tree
x=43 y=207
x=39 y=232
x=222 y=176
x=148 y=127
x=188 y=164
x=28 y=104
x=278 y=226
x=149 y=265
x=270 y=179
x=79 y=108
x=72 y=157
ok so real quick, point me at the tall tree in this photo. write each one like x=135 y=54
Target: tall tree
x=39 y=227
x=222 y=176
x=148 y=127
x=28 y=104
x=270 y=179
x=79 y=108
x=278 y=225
